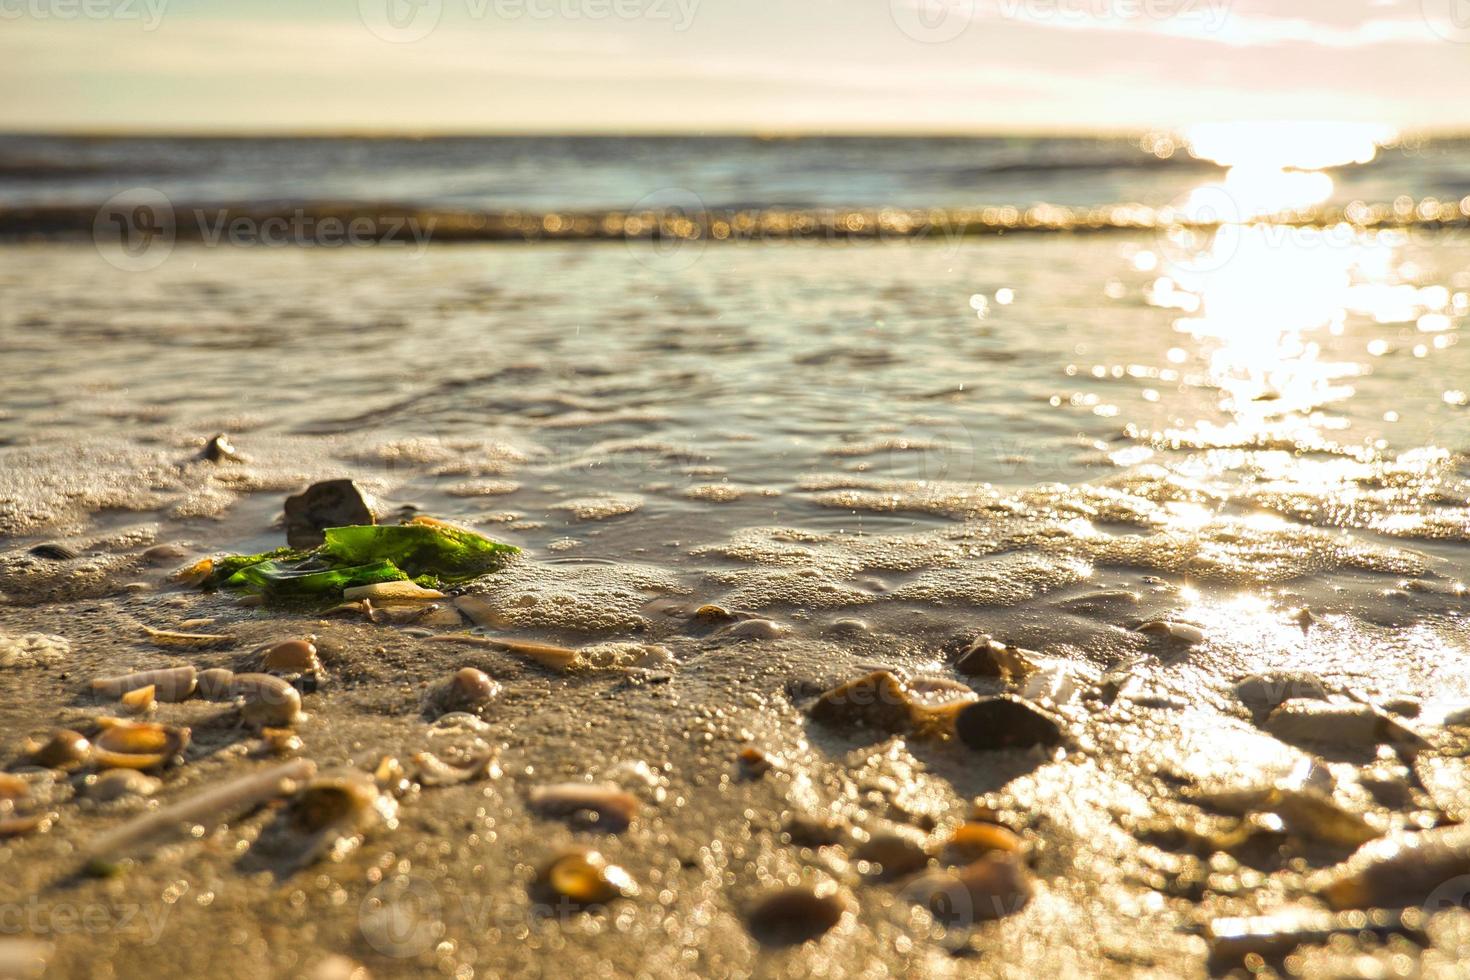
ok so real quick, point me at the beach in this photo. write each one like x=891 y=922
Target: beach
x=1186 y=478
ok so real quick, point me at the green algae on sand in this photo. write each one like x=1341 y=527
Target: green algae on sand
x=428 y=552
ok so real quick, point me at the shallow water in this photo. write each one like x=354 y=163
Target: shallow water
x=1049 y=438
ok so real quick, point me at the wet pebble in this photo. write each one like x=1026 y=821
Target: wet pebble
x=794 y=915
x=603 y=804
x=292 y=657
x=331 y=503
x=116 y=784
x=992 y=887
x=1007 y=722
x=986 y=657
x=758 y=629
x=62 y=749
x=266 y=699
x=893 y=853
x=468 y=690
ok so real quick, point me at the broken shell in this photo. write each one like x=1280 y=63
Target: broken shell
x=1398 y=871
x=976 y=839
x=878 y=700
x=291 y=657
x=392 y=592
x=753 y=761
x=55 y=551
x=137 y=744
x=1352 y=725
x=986 y=657
x=215 y=683
x=1177 y=632
x=1007 y=722
x=219 y=802
x=545 y=654
x=62 y=749
x=434 y=771
x=584 y=877
x=896 y=852
x=993 y=887
x=1262 y=693
x=609 y=805
x=219 y=449
x=790 y=916
x=188 y=641
x=469 y=690
x=139 y=701
x=114 y=784
x=169 y=684
x=268 y=700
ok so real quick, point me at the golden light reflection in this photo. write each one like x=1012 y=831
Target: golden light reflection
x=1275 y=166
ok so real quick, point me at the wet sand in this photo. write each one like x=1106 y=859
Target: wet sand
x=830 y=443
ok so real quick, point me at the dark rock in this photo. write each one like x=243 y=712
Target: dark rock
x=331 y=503
x=878 y=700
x=1007 y=722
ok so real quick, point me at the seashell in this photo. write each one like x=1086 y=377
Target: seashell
x=795 y=915
x=115 y=784
x=219 y=449
x=330 y=814
x=758 y=629
x=1173 y=631
x=137 y=744
x=608 y=804
x=1353 y=725
x=31 y=823
x=712 y=613
x=469 y=690
x=12 y=787
x=279 y=741
x=214 y=684
x=164 y=554
x=545 y=654
x=55 y=551
x=267 y=699
x=62 y=749
x=291 y=657
x=1051 y=686
x=584 y=877
x=993 y=887
x=878 y=700
x=140 y=701
x=1007 y=722
x=391 y=777
x=434 y=771
x=977 y=838
x=403 y=591
x=986 y=657
x=169 y=684
x=188 y=641
x=896 y=852
x=1398 y=871
x=753 y=761
x=220 y=802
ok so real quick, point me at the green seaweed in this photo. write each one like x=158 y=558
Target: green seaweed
x=430 y=553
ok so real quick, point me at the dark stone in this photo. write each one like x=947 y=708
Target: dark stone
x=1007 y=722
x=331 y=503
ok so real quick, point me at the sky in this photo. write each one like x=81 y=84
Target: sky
x=773 y=66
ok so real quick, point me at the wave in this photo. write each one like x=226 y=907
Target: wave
x=383 y=223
